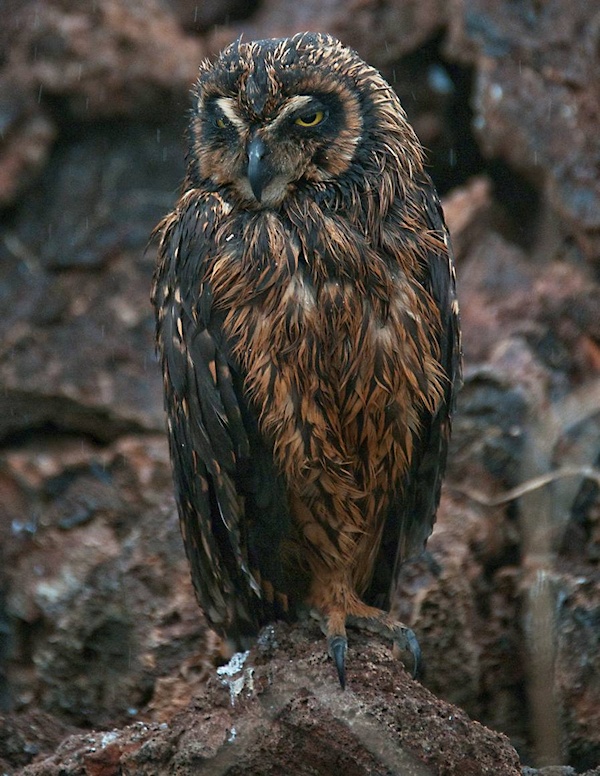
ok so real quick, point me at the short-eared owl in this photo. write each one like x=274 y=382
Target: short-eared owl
x=308 y=330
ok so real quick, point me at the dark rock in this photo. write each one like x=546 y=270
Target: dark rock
x=200 y=17
x=93 y=210
x=578 y=668
x=109 y=58
x=380 y=32
x=26 y=137
x=536 y=99
x=25 y=736
x=99 y=596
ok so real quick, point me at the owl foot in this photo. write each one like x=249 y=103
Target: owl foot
x=374 y=621
x=399 y=634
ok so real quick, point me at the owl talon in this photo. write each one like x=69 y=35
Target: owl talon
x=337 y=647
x=406 y=640
x=402 y=637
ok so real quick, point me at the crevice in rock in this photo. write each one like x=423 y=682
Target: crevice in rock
x=437 y=94
x=24 y=417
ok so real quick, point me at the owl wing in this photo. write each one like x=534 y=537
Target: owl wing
x=228 y=493
x=412 y=514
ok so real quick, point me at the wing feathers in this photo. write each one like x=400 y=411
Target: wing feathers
x=209 y=443
x=412 y=514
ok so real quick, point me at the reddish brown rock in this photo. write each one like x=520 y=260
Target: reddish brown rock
x=98 y=592
x=284 y=712
x=468 y=214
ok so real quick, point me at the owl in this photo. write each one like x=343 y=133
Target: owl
x=308 y=330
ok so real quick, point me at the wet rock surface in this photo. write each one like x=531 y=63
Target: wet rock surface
x=276 y=715
x=75 y=270
x=106 y=665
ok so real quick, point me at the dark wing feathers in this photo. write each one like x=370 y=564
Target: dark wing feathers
x=412 y=514
x=191 y=475
x=209 y=443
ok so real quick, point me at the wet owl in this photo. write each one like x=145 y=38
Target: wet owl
x=308 y=331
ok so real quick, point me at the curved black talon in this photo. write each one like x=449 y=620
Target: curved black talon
x=338 y=646
x=411 y=644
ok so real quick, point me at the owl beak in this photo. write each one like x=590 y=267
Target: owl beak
x=259 y=170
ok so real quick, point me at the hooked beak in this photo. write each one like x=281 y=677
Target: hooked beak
x=259 y=169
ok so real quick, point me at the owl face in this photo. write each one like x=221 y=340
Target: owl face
x=281 y=115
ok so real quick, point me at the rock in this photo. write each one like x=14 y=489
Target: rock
x=63 y=62
x=467 y=211
x=93 y=211
x=536 y=102
x=108 y=59
x=25 y=736
x=26 y=137
x=403 y=25
x=578 y=679
x=283 y=712
x=494 y=294
x=200 y=17
x=99 y=598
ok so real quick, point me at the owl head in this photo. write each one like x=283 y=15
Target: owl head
x=275 y=116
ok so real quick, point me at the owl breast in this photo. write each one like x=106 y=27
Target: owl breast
x=335 y=368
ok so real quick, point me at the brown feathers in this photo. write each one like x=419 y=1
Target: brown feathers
x=307 y=326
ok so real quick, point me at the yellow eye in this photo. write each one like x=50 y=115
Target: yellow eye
x=221 y=122
x=310 y=119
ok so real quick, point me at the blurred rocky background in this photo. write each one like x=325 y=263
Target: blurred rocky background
x=98 y=625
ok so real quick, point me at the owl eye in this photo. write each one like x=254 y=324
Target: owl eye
x=310 y=119
x=221 y=122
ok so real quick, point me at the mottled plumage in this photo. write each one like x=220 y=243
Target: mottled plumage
x=308 y=331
